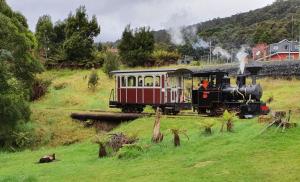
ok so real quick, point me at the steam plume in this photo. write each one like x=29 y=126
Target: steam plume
x=241 y=56
x=220 y=51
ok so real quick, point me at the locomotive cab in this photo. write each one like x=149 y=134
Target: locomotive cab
x=207 y=99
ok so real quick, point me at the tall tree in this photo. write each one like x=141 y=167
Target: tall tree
x=136 y=48
x=45 y=34
x=17 y=70
x=80 y=34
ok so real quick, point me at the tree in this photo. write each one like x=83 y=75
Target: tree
x=136 y=47
x=80 y=34
x=45 y=34
x=18 y=67
x=111 y=63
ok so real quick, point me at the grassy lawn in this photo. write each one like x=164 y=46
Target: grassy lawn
x=243 y=155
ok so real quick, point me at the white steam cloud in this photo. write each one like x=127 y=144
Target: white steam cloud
x=200 y=43
x=220 y=51
x=176 y=35
x=242 y=56
x=183 y=35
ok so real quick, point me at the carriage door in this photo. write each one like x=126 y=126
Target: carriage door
x=174 y=89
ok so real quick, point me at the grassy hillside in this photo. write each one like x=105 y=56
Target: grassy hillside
x=240 y=156
x=52 y=112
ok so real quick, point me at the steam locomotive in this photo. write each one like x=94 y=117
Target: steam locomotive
x=173 y=90
x=219 y=95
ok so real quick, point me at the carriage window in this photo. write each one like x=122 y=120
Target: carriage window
x=140 y=81
x=131 y=81
x=157 y=81
x=172 y=82
x=123 y=81
x=148 y=81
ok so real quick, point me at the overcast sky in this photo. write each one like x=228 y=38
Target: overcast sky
x=114 y=15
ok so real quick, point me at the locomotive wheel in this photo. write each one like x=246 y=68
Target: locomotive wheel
x=217 y=110
x=175 y=112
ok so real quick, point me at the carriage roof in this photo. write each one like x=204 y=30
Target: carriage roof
x=169 y=71
x=192 y=71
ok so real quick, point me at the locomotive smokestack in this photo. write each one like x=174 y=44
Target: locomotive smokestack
x=241 y=80
x=254 y=72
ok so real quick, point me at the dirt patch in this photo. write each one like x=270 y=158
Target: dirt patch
x=203 y=164
x=104 y=126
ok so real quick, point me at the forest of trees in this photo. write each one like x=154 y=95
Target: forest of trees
x=69 y=41
x=269 y=24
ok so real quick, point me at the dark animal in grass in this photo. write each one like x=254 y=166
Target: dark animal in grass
x=270 y=99
x=47 y=158
x=102 y=151
x=176 y=140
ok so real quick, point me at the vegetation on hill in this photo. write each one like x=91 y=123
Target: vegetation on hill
x=270 y=24
x=273 y=23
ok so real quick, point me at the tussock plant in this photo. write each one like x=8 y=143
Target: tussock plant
x=176 y=133
x=228 y=118
x=207 y=125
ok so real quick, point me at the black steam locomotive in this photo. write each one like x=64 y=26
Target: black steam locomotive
x=215 y=94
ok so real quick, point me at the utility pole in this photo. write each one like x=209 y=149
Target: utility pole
x=231 y=55
x=210 y=52
x=299 y=48
x=293 y=28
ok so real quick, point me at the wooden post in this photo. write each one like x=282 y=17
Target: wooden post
x=157 y=136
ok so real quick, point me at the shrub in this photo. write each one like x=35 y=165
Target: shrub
x=130 y=151
x=15 y=132
x=111 y=62
x=93 y=79
x=98 y=58
x=39 y=88
x=196 y=63
x=13 y=109
x=165 y=55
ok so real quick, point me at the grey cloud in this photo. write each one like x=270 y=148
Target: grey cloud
x=114 y=15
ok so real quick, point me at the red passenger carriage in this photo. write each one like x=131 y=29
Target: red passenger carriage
x=164 y=88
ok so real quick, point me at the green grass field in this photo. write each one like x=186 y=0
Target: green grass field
x=243 y=155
